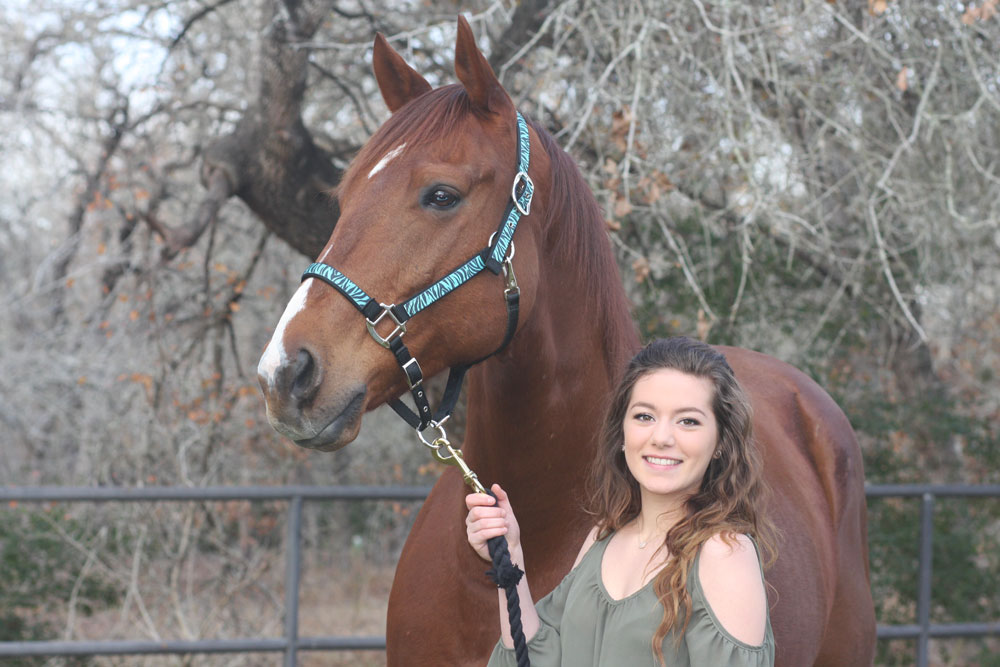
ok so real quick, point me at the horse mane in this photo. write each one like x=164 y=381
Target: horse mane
x=576 y=230
x=578 y=233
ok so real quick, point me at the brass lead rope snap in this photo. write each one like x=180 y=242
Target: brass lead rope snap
x=442 y=450
x=455 y=458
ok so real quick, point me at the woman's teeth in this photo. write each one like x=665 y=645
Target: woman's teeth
x=655 y=460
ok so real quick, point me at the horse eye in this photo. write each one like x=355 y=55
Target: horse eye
x=440 y=199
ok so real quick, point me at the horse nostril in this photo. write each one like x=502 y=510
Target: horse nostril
x=305 y=376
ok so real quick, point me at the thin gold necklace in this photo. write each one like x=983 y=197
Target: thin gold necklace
x=638 y=537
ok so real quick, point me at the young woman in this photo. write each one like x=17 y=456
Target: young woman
x=671 y=573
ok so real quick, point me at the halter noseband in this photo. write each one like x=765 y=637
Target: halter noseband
x=495 y=257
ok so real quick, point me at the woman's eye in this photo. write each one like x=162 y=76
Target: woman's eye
x=644 y=417
x=441 y=199
x=688 y=421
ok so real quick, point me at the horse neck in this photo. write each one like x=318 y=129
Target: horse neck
x=534 y=410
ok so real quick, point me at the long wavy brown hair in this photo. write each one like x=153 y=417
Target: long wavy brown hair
x=732 y=493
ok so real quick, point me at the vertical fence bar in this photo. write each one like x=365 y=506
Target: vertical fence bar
x=926 y=564
x=292 y=565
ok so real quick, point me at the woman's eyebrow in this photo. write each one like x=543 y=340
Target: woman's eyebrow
x=650 y=406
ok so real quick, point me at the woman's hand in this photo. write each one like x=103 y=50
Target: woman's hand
x=490 y=518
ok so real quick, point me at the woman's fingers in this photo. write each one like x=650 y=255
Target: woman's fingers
x=489 y=518
x=484 y=533
x=501 y=494
x=486 y=523
x=478 y=500
x=483 y=528
x=502 y=499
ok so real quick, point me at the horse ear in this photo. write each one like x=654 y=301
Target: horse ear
x=398 y=82
x=475 y=73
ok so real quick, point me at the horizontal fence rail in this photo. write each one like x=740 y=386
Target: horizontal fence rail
x=291 y=642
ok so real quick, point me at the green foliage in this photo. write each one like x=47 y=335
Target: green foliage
x=41 y=569
x=901 y=438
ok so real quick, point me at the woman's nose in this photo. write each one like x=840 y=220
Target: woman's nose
x=663 y=436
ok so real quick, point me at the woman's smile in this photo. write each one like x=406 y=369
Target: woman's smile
x=660 y=462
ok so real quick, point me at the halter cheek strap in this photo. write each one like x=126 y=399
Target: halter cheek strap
x=497 y=256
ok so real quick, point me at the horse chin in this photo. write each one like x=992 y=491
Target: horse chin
x=335 y=436
x=337 y=433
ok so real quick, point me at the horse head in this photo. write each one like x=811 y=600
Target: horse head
x=426 y=193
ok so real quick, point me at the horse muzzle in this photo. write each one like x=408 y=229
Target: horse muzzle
x=303 y=409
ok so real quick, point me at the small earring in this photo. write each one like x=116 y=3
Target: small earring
x=623 y=448
x=717 y=454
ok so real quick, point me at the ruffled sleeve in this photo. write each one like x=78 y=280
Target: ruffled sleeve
x=544 y=649
x=719 y=648
x=708 y=643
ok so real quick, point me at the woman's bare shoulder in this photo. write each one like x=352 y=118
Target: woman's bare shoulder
x=585 y=547
x=730 y=576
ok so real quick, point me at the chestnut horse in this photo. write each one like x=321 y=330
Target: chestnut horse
x=423 y=195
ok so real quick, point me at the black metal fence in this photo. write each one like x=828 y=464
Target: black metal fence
x=291 y=643
x=923 y=630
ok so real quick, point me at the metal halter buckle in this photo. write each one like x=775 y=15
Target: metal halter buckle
x=406 y=373
x=508 y=266
x=371 y=324
x=529 y=186
x=442 y=438
x=508 y=273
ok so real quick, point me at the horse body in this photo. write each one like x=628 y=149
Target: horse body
x=533 y=408
x=821 y=605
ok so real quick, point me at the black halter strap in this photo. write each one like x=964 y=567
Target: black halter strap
x=423 y=417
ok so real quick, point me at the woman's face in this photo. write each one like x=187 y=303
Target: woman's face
x=670 y=434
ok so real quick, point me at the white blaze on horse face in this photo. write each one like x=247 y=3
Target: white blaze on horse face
x=275 y=356
x=394 y=153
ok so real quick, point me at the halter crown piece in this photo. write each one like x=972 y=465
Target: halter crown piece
x=495 y=257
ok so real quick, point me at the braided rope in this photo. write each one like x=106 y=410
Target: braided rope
x=506 y=575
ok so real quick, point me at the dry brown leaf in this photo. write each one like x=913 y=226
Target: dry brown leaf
x=622 y=207
x=703 y=326
x=903 y=79
x=641 y=269
x=983 y=13
x=664 y=181
x=652 y=193
x=620 y=123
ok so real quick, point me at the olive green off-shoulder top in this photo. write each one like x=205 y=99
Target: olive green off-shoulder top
x=582 y=625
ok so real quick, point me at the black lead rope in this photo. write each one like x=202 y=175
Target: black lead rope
x=506 y=575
